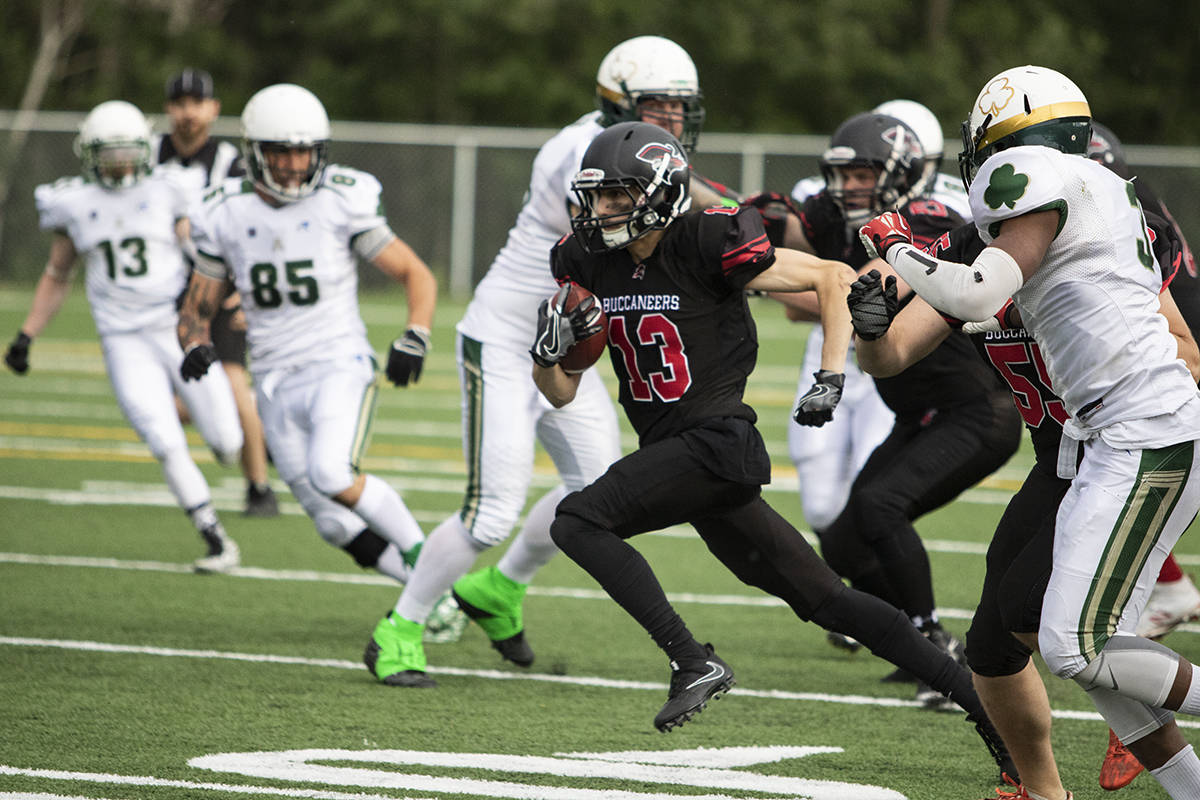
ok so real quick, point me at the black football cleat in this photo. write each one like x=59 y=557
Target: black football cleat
x=692 y=685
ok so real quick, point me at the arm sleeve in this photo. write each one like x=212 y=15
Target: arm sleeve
x=971 y=292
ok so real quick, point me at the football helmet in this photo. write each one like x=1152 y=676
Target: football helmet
x=645 y=68
x=890 y=148
x=1105 y=147
x=928 y=130
x=1025 y=106
x=114 y=144
x=649 y=166
x=285 y=117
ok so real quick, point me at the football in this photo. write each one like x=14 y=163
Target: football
x=585 y=352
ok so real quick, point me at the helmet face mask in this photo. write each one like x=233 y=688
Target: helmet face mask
x=634 y=179
x=278 y=121
x=929 y=133
x=883 y=144
x=1024 y=106
x=644 y=72
x=114 y=145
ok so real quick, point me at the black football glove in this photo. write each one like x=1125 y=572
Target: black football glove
x=196 y=361
x=873 y=304
x=557 y=329
x=775 y=209
x=17 y=356
x=816 y=406
x=407 y=356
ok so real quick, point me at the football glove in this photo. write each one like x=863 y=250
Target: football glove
x=407 y=356
x=17 y=356
x=557 y=329
x=815 y=408
x=775 y=208
x=196 y=361
x=873 y=304
x=884 y=231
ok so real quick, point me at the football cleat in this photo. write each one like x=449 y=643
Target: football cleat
x=395 y=654
x=494 y=601
x=934 y=700
x=1120 y=766
x=692 y=686
x=260 y=502
x=1170 y=605
x=996 y=747
x=223 y=554
x=1017 y=792
x=446 y=622
x=843 y=642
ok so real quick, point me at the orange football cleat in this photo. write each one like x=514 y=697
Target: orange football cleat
x=1120 y=766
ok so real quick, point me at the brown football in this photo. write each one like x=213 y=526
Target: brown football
x=585 y=352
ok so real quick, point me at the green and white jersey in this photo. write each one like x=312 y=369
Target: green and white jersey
x=293 y=265
x=1093 y=304
x=503 y=309
x=135 y=267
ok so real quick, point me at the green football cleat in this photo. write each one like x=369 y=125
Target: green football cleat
x=494 y=601
x=395 y=654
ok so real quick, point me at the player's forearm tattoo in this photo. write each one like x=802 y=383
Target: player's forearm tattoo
x=199 y=307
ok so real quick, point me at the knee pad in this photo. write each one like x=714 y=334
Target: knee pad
x=992 y=651
x=335 y=523
x=366 y=548
x=566 y=530
x=331 y=479
x=1137 y=668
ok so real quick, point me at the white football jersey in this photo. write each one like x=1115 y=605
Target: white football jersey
x=135 y=266
x=293 y=265
x=1093 y=304
x=504 y=307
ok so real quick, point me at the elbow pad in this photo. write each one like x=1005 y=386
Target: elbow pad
x=971 y=292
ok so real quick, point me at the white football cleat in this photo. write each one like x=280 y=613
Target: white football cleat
x=223 y=554
x=1170 y=605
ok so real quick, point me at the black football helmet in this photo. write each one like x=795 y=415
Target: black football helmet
x=646 y=163
x=889 y=147
x=1105 y=147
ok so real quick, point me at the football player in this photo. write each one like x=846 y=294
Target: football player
x=682 y=343
x=647 y=77
x=954 y=422
x=1067 y=242
x=288 y=239
x=128 y=223
x=192 y=106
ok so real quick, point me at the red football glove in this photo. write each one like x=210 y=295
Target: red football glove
x=775 y=209
x=884 y=231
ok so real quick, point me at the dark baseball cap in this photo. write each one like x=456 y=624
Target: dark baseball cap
x=190 y=83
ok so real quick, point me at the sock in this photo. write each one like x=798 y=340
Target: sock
x=445 y=557
x=1170 y=571
x=203 y=516
x=532 y=547
x=1180 y=776
x=391 y=563
x=387 y=515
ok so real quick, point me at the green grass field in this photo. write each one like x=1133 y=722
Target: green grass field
x=123 y=675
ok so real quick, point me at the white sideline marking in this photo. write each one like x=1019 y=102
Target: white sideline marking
x=145 y=780
x=492 y=674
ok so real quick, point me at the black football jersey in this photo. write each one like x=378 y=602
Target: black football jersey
x=680 y=334
x=949 y=376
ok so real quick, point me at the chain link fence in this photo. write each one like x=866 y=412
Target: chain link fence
x=452 y=192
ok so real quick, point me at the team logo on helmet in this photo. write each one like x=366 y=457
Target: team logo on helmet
x=996 y=96
x=654 y=152
x=904 y=144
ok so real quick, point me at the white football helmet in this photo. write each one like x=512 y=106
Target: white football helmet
x=114 y=144
x=285 y=116
x=647 y=67
x=927 y=128
x=1025 y=106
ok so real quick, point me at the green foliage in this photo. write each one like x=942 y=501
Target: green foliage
x=781 y=66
